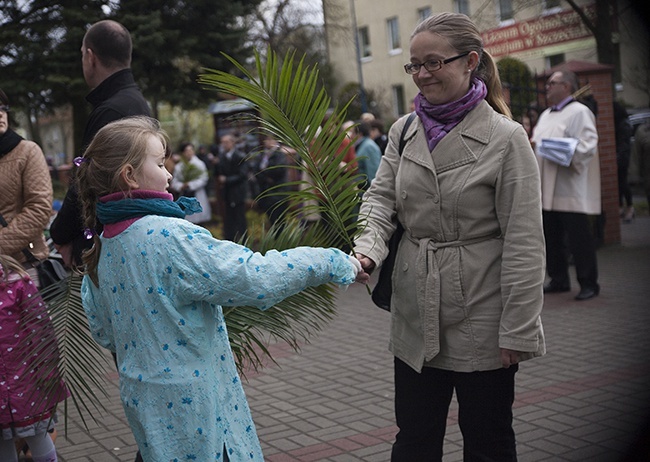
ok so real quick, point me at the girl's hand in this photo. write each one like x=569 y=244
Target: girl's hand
x=509 y=357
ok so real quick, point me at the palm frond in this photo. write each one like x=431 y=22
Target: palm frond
x=69 y=354
x=291 y=110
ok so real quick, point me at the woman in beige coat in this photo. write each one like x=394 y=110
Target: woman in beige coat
x=467 y=282
x=26 y=199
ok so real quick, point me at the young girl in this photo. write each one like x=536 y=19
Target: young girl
x=29 y=392
x=153 y=293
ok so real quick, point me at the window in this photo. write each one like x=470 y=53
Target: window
x=364 y=42
x=461 y=6
x=554 y=60
x=393 y=34
x=505 y=10
x=398 y=100
x=424 y=13
x=551 y=4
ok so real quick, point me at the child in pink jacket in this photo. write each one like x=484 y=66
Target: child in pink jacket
x=29 y=390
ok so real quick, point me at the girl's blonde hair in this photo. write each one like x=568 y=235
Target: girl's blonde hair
x=116 y=145
x=463 y=36
x=10 y=265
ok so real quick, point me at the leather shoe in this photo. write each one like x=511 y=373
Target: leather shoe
x=551 y=288
x=587 y=292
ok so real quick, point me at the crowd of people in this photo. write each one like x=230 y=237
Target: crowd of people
x=492 y=211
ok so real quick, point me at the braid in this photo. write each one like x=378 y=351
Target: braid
x=88 y=201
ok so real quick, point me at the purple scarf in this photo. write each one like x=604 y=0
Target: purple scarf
x=439 y=119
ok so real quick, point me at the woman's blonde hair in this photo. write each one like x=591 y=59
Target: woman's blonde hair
x=10 y=265
x=116 y=145
x=463 y=36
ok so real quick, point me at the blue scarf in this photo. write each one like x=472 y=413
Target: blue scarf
x=438 y=120
x=124 y=209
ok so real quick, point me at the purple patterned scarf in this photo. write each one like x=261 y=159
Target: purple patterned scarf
x=439 y=119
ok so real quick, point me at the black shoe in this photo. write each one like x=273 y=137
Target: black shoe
x=587 y=292
x=552 y=288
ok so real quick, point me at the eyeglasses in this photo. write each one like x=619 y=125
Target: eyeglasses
x=4 y=108
x=432 y=65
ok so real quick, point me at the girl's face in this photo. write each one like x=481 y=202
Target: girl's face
x=451 y=81
x=153 y=175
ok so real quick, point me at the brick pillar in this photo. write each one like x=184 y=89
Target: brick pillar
x=599 y=77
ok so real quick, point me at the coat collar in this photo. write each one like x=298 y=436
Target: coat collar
x=462 y=145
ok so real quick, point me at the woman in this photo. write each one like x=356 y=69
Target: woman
x=26 y=199
x=467 y=284
x=190 y=179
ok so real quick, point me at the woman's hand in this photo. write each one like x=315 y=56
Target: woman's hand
x=367 y=264
x=508 y=357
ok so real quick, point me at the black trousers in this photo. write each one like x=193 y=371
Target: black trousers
x=572 y=229
x=484 y=413
x=234 y=221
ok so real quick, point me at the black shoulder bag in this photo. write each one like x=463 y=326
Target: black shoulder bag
x=50 y=271
x=383 y=291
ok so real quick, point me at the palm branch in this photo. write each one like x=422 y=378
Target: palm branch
x=291 y=110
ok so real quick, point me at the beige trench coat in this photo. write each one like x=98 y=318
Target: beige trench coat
x=469 y=272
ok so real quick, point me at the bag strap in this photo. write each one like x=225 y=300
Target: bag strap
x=30 y=256
x=402 y=141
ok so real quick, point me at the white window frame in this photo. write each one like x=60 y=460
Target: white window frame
x=365 y=48
x=424 y=13
x=394 y=39
x=461 y=6
x=506 y=21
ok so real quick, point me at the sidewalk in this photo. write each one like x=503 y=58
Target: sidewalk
x=586 y=400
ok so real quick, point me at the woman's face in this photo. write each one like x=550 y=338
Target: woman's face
x=188 y=152
x=451 y=81
x=4 y=119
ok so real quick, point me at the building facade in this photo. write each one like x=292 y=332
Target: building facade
x=541 y=33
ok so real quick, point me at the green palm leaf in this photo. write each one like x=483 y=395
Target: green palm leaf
x=81 y=363
x=292 y=111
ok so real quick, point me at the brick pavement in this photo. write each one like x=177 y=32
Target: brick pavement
x=586 y=400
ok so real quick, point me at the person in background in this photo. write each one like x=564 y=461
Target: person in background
x=231 y=172
x=106 y=52
x=469 y=271
x=367 y=152
x=569 y=193
x=271 y=173
x=26 y=197
x=623 y=132
x=153 y=293
x=29 y=390
x=190 y=179
x=377 y=134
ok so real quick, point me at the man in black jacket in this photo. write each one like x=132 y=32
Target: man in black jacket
x=231 y=172
x=106 y=61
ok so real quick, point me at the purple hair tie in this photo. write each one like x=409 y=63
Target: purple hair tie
x=88 y=233
x=79 y=160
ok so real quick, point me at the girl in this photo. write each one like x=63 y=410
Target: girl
x=29 y=391
x=153 y=293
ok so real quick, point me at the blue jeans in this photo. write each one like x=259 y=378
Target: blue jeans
x=484 y=413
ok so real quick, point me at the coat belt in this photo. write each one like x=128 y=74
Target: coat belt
x=428 y=286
